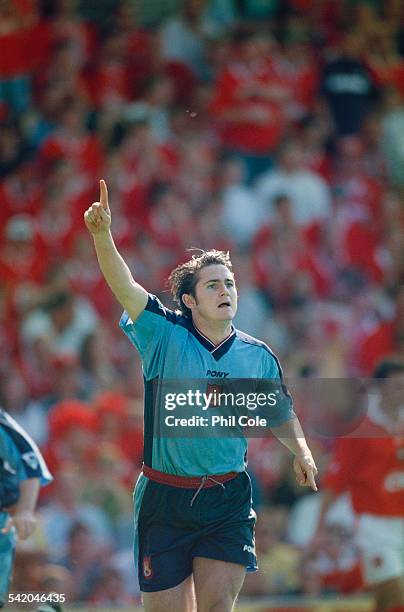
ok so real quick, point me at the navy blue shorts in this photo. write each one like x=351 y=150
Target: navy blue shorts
x=170 y=532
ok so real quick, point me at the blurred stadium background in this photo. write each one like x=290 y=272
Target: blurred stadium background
x=271 y=128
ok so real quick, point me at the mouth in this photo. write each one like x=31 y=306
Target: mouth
x=225 y=304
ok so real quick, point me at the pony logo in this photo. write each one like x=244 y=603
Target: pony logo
x=147 y=568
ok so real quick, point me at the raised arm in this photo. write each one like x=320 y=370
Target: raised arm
x=132 y=296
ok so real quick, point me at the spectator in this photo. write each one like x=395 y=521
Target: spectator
x=17 y=33
x=309 y=194
x=72 y=140
x=111 y=81
x=155 y=106
x=20 y=258
x=13 y=148
x=20 y=192
x=182 y=38
x=15 y=399
x=64 y=511
x=242 y=214
x=72 y=425
x=348 y=87
x=248 y=101
x=84 y=560
x=252 y=310
x=109 y=590
x=62 y=325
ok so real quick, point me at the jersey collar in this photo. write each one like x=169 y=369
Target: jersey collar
x=216 y=350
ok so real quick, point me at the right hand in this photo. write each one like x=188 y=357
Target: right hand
x=305 y=470
x=98 y=216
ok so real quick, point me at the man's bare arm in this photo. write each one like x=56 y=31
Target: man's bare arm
x=132 y=296
x=291 y=435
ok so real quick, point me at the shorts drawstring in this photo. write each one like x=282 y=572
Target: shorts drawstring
x=203 y=482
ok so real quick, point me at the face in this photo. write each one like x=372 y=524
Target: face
x=215 y=295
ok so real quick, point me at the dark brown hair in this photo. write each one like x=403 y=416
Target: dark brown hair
x=184 y=277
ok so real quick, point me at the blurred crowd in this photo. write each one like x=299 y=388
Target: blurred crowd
x=274 y=130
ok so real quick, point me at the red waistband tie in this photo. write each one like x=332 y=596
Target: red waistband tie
x=188 y=482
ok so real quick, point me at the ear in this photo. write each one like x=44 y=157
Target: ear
x=188 y=300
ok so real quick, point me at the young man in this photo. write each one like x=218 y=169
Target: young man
x=22 y=472
x=195 y=524
x=370 y=466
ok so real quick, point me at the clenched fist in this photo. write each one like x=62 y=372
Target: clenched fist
x=98 y=216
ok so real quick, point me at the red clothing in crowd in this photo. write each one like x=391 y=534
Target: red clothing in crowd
x=85 y=150
x=24 y=41
x=347 y=580
x=258 y=136
x=18 y=196
x=111 y=83
x=14 y=59
x=378 y=343
x=389 y=75
x=370 y=468
x=362 y=248
x=21 y=263
x=303 y=255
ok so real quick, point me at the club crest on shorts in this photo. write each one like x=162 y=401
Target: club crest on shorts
x=147 y=567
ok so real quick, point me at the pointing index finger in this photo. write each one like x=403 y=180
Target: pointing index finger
x=104 y=195
x=310 y=478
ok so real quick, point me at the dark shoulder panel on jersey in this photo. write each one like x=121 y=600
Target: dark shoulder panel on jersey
x=156 y=307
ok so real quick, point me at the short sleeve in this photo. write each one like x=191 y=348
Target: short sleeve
x=150 y=334
x=32 y=464
x=282 y=410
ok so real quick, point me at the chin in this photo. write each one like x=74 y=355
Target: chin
x=226 y=316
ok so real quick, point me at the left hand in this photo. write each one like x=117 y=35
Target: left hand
x=305 y=470
x=24 y=523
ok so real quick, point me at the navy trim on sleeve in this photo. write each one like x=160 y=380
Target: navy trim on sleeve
x=34 y=464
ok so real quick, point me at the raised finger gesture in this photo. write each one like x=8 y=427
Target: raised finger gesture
x=98 y=216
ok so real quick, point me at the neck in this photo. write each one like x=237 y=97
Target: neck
x=215 y=331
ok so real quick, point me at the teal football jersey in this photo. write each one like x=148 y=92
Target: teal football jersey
x=173 y=349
